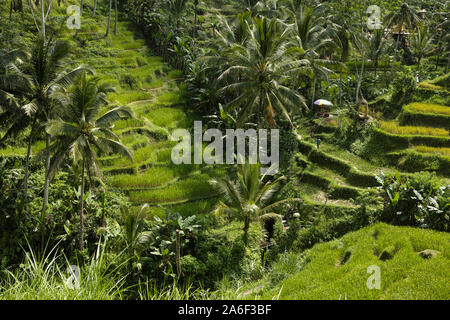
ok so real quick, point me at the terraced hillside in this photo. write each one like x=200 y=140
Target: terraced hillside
x=151 y=89
x=418 y=139
x=156 y=98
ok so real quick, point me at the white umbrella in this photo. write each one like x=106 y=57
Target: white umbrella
x=323 y=102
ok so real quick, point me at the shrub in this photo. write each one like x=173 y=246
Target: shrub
x=419 y=200
x=442 y=81
x=129 y=80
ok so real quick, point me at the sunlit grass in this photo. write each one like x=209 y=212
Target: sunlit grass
x=189 y=188
x=323 y=273
x=167 y=117
x=47 y=278
x=152 y=177
x=393 y=127
x=129 y=96
x=429 y=108
x=426 y=149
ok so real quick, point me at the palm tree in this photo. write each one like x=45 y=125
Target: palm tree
x=83 y=133
x=94 y=9
x=176 y=10
x=115 y=17
x=249 y=197
x=133 y=224
x=377 y=46
x=342 y=40
x=310 y=39
x=109 y=19
x=12 y=115
x=421 y=44
x=406 y=17
x=257 y=73
x=39 y=77
x=361 y=43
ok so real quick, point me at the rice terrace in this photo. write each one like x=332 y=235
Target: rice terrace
x=224 y=150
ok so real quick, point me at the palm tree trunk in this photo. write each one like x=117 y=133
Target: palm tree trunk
x=10 y=9
x=376 y=65
x=109 y=19
x=178 y=253
x=81 y=239
x=246 y=226
x=340 y=88
x=360 y=76
x=95 y=8
x=395 y=51
x=81 y=8
x=115 y=19
x=27 y=164
x=448 y=61
x=314 y=92
x=43 y=19
x=195 y=18
x=47 y=172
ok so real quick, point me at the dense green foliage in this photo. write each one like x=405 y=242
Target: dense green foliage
x=86 y=177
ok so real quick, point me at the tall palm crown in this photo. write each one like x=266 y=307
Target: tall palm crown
x=248 y=198
x=257 y=73
x=405 y=17
x=421 y=43
x=311 y=38
x=46 y=73
x=80 y=130
x=310 y=35
x=11 y=87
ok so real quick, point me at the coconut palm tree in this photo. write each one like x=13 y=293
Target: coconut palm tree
x=258 y=71
x=249 y=197
x=176 y=10
x=405 y=17
x=377 y=47
x=42 y=74
x=421 y=44
x=109 y=19
x=81 y=132
x=133 y=225
x=311 y=38
x=12 y=117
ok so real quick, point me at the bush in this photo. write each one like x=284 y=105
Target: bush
x=419 y=200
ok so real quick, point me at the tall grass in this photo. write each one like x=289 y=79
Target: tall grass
x=429 y=108
x=127 y=123
x=166 y=117
x=426 y=149
x=45 y=278
x=393 y=127
x=192 y=187
x=152 y=177
x=130 y=96
x=153 y=291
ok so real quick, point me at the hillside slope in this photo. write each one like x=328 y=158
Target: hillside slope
x=414 y=264
x=153 y=92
